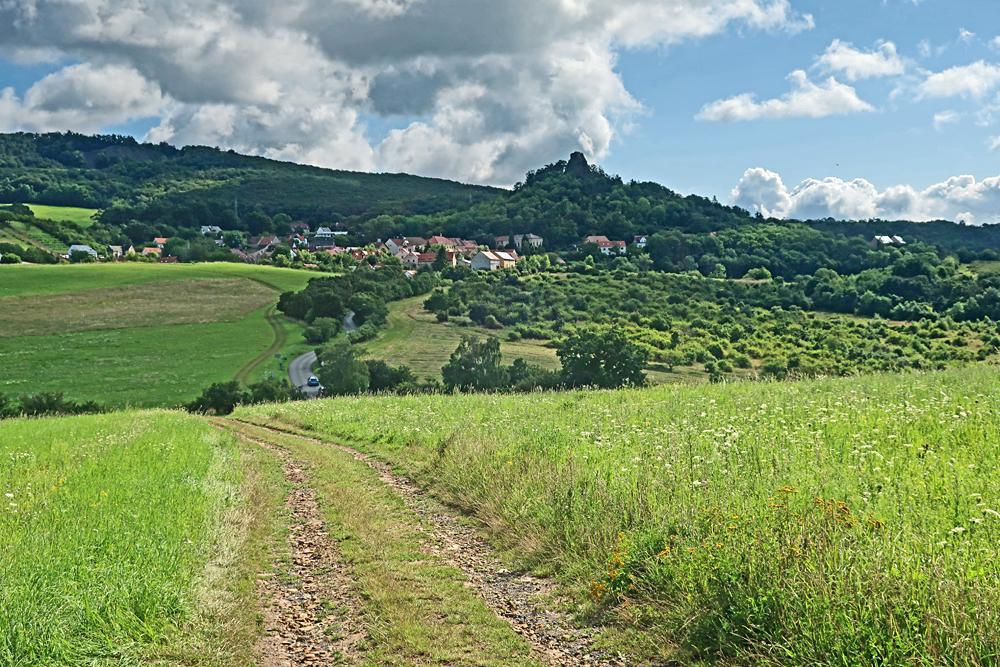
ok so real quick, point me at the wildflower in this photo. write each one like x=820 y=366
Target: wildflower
x=957 y=530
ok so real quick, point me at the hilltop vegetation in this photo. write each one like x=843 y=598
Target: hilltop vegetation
x=820 y=522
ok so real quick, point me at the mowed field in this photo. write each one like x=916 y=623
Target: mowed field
x=415 y=338
x=834 y=522
x=81 y=216
x=137 y=334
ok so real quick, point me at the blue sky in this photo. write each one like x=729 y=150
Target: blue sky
x=697 y=94
x=897 y=143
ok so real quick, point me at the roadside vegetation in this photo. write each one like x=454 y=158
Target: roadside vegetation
x=834 y=521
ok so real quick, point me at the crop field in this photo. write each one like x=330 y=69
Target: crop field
x=413 y=337
x=138 y=335
x=830 y=521
x=114 y=528
x=83 y=217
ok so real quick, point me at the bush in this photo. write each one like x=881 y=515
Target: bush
x=321 y=330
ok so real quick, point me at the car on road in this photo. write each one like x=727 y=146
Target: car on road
x=313 y=381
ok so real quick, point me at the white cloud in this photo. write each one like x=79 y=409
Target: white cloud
x=966 y=36
x=957 y=198
x=807 y=99
x=974 y=80
x=993 y=143
x=492 y=88
x=856 y=64
x=943 y=118
x=81 y=97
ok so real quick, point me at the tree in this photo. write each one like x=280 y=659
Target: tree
x=341 y=372
x=321 y=330
x=474 y=366
x=10 y=258
x=272 y=390
x=220 y=398
x=603 y=358
x=385 y=377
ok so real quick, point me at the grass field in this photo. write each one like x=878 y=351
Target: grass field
x=80 y=216
x=413 y=337
x=137 y=335
x=114 y=528
x=848 y=521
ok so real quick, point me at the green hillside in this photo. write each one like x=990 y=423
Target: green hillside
x=156 y=182
x=138 y=334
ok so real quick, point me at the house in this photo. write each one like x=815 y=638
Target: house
x=519 y=241
x=160 y=242
x=426 y=258
x=416 y=243
x=493 y=260
x=442 y=241
x=640 y=241
x=408 y=258
x=300 y=228
x=78 y=248
x=887 y=240
x=263 y=242
x=606 y=246
x=323 y=233
x=149 y=252
x=467 y=247
x=116 y=252
x=211 y=230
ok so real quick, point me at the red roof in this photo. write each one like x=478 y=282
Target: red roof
x=427 y=257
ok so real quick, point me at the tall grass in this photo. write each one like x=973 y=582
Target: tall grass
x=848 y=521
x=105 y=521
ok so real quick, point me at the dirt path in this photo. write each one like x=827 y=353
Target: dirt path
x=280 y=337
x=311 y=616
x=523 y=600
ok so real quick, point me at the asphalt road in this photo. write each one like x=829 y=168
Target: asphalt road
x=301 y=367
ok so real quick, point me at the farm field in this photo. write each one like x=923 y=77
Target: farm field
x=138 y=335
x=83 y=217
x=130 y=538
x=413 y=337
x=836 y=521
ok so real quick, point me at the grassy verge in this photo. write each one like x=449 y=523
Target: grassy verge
x=418 y=610
x=122 y=532
x=848 y=521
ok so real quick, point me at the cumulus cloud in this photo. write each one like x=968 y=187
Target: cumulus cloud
x=806 y=99
x=974 y=80
x=855 y=64
x=943 y=118
x=489 y=89
x=81 y=97
x=959 y=198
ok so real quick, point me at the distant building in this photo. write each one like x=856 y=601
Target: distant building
x=494 y=260
x=160 y=242
x=148 y=252
x=324 y=233
x=607 y=246
x=211 y=230
x=640 y=241
x=519 y=241
x=888 y=240
x=78 y=248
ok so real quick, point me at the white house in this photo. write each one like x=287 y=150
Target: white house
x=211 y=230
x=493 y=260
x=640 y=241
x=606 y=246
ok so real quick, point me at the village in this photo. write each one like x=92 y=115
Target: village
x=413 y=252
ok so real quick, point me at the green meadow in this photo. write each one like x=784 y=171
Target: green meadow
x=114 y=528
x=832 y=521
x=140 y=335
x=80 y=216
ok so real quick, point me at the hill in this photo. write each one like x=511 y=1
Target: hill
x=847 y=521
x=198 y=185
x=140 y=334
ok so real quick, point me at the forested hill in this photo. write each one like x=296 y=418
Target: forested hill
x=157 y=183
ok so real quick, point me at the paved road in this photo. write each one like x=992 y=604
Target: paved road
x=299 y=371
x=302 y=366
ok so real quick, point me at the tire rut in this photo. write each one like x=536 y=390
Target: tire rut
x=311 y=616
x=517 y=597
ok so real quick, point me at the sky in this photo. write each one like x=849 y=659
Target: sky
x=794 y=108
